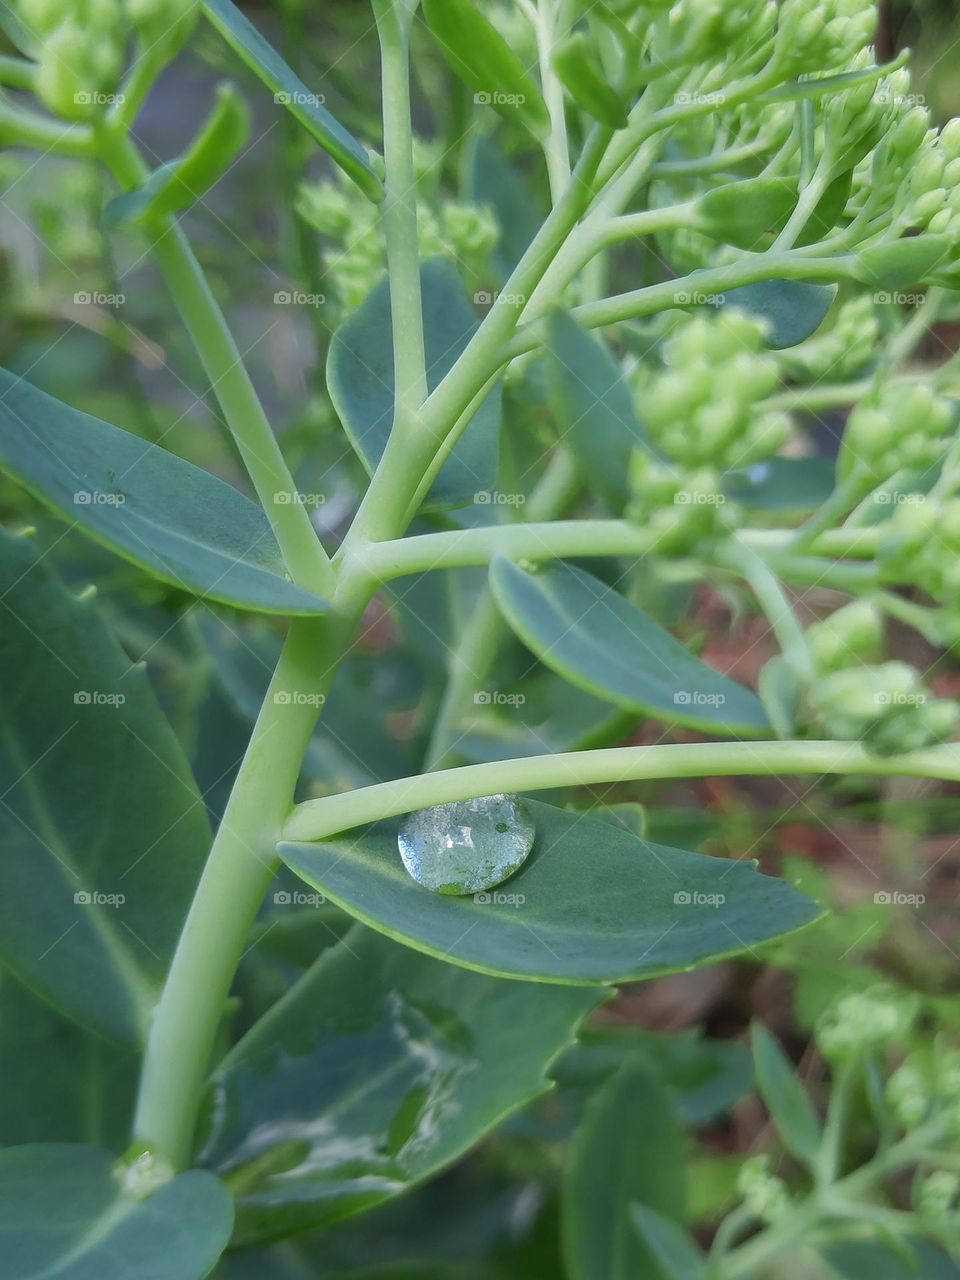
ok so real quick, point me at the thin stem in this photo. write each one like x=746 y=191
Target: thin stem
x=304 y=556
x=774 y=603
x=556 y=149
x=18 y=73
x=20 y=128
x=843 y=498
x=317 y=819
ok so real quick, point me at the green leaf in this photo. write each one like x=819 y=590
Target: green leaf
x=900 y=263
x=65 y=1215
x=781 y=692
x=479 y=56
x=491 y=179
x=175 y=521
x=629 y=1148
x=911 y=1258
x=182 y=182
x=675 y=1253
x=593 y=406
x=60 y=1083
x=579 y=72
x=379 y=1068
x=793 y=309
x=287 y=88
x=593 y=637
x=361 y=385
x=784 y=1096
x=783 y=484
x=99 y=806
x=743 y=213
x=598 y=905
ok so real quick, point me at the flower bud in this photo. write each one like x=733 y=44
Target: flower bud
x=849 y=636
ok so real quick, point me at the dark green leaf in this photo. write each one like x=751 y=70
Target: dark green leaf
x=783 y=484
x=60 y=1084
x=599 y=641
x=785 y=1096
x=856 y=1259
x=630 y=1148
x=674 y=1252
x=598 y=905
x=65 y=1214
x=592 y=404
x=178 y=523
x=743 y=213
x=793 y=309
x=378 y=1068
x=580 y=74
x=480 y=57
x=182 y=182
x=491 y=179
x=104 y=832
x=360 y=381
x=287 y=88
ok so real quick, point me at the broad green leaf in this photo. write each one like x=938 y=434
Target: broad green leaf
x=785 y=1096
x=361 y=385
x=178 y=523
x=674 y=1252
x=491 y=179
x=630 y=1148
x=65 y=1215
x=591 y=904
x=593 y=637
x=898 y=264
x=581 y=75
x=104 y=832
x=783 y=484
x=592 y=404
x=479 y=56
x=180 y=183
x=60 y=1083
x=793 y=309
x=917 y=1259
x=376 y=1070
x=743 y=213
x=287 y=88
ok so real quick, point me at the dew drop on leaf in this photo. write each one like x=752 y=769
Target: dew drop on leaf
x=467 y=846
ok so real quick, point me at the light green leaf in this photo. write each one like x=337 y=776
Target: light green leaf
x=785 y=1096
x=592 y=904
x=361 y=385
x=178 y=523
x=479 y=56
x=599 y=641
x=65 y=1215
x=491 y=179
x=182 y=182
x=379 y=1068
x=104 y=832
x=674 y=1252
x=580 y=73
x=897 y=264
x=593 y=406
x=630 y=1148
x=793 y=309
x=287 y=88
x=743 y=213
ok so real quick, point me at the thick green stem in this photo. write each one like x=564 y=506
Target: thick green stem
x=238 y=872
x=317 y=819
x=304 y=556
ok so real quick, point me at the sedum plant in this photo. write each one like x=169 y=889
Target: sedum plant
x=577 y=345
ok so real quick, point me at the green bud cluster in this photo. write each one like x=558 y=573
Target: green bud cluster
x=840 y=351
x=815 y=35
x=356 y=259
x=884 y=706
x=850 y=636
x=682 y=507
x=935 y=1197
x=864 y=1021
x=764 y=1195
x=702 y=410
x=907 y=1094
x=903 y=427
x=921 y=545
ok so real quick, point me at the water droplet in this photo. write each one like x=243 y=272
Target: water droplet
x=468 y=846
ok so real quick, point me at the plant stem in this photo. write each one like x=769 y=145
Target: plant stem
x=237 y=874
x=317 y=819
x=27 y=129
x=556 y=148
x=774 y=603
x=305 y=558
